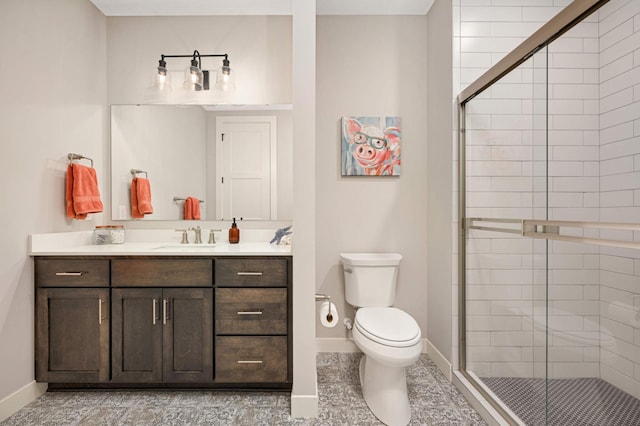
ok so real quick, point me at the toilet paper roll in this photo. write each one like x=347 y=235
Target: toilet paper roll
x=328 y=314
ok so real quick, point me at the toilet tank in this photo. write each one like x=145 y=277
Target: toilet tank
x=370 y=278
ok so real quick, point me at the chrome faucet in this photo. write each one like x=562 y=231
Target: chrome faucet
x=198 y=234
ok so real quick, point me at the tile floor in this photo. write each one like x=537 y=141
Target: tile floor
x=434 y=401
x=580 y=401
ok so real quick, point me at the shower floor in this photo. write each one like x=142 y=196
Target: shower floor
x=571 y=401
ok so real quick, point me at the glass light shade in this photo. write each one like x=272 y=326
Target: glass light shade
x=225 y=80
x=162 y=80
x=193 y=78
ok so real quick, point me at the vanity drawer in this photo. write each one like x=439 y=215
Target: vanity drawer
x=161 y=273
x=255 y=359
x=251 y=311
x=251 y=272
x=72 y=272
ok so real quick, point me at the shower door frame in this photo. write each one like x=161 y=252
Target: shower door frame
x=566 y=19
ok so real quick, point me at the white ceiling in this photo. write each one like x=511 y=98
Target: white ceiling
x=258 y=7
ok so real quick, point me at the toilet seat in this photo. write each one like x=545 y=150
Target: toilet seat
x=388 y=326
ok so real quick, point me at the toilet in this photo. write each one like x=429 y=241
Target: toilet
x=389 y=337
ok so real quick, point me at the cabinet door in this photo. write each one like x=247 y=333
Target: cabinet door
x=137 y=335
x=72 y=335
x=188 y=335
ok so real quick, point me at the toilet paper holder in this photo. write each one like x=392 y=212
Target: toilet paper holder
x=322 y=297
x=326 y=298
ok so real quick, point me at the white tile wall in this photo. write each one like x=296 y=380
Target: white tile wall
x=594 y=147
x=620 y=180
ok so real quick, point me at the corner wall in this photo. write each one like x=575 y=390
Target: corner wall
x=440 y=171
x=53 y=85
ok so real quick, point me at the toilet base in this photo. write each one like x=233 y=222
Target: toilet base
x=385 y=391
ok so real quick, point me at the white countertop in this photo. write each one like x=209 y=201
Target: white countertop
x=153 y=243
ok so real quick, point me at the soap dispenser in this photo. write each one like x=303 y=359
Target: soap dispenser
x=234 y=233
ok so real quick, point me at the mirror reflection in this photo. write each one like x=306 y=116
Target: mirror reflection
x=229 y=163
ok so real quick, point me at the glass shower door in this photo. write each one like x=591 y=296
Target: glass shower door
x=506 y=275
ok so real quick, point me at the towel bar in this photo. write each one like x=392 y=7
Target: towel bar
x=134 y=172
x=177 y=199
x=71 y=156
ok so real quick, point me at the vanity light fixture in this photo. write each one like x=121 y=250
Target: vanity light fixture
x=195 y=78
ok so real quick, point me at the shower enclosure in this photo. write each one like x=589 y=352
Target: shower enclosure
x=549 y=208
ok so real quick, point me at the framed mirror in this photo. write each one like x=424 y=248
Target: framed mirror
x=218 y=156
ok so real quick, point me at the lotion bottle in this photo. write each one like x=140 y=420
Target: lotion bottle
x=234 y=233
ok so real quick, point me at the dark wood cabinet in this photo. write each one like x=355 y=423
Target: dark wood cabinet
x=137 y=335
x=187 y=335
x=153 y=321
x=72 y=335
x=253 y=335
x=162 y=335
x=251 y=359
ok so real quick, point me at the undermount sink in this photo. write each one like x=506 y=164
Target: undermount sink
x=177 y=246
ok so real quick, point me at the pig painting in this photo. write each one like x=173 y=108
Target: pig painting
x=370 y=146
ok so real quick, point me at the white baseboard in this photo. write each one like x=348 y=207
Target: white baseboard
x=340 y=344
x=304 y=406
x=440 y=360
x=20 y=398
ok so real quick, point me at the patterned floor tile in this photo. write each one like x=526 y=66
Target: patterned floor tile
x=433 y=399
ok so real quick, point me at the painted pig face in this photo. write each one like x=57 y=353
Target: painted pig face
x=377 y=151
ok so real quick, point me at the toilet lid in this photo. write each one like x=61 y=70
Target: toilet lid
x=388 y=326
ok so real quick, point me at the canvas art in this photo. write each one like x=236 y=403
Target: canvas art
x=371 y=146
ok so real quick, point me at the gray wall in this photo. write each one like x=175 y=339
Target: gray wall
x=371 y=66
x=439 y=175
x=259 y=49
x=53 y=85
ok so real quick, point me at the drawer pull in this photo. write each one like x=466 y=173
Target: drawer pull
x=250 y=274
x=69 y=274
x=250 y=362
x=249 y=312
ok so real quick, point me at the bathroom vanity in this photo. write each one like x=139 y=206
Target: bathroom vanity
x=164 y=317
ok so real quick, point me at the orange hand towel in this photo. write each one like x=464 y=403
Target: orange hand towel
x=140 y=197
x=71 y=213
x=144 y=196
x=192 y=209
x=86 y=194
x=135 y=213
